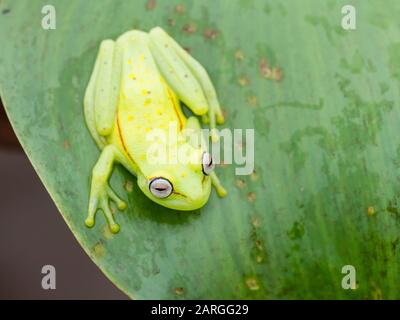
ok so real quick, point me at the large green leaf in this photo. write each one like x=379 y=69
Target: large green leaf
x=326 y=184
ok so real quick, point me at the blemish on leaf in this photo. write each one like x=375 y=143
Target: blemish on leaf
x=243 y=80
x=171 y=22
x=107 y=233
x=259 y=259
x=251 y=196
x=240 y=183
x=99 y=249
x=151 y=4
x=211 y=34
x=371 y=211
x=66 y=144
x=252 y=100
x=180 y=9
x=252 y=284
x=255 y=222
x=128 y=186
x=239 y=55
x=254 y=176
x=259 y=244
x=268 y=72
x=6 y=11
x=179 y=291
x=189 y=28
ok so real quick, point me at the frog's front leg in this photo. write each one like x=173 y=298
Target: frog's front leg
x=101 y=192
x=186 y=76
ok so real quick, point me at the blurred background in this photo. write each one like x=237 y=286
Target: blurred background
x=33 y=234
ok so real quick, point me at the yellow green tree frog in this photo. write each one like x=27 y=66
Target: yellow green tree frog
x=137 y=84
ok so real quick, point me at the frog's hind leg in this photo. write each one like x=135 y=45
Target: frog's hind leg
x=101 y=95
x=186 y=76
x=88 y=104
x=199 y=142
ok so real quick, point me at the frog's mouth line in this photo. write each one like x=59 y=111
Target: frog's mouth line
x=179 y=194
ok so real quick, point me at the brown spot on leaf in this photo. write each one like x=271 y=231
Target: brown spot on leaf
x=171 y=22
x=180 y=9
x=187 y=49
x=189 y=28
x=251 y=196
x=255 y=222
x=240 y=183
x=277 y=74
x=259 y=245
x=210 y=33
x=66 y=144
x=268 y=72
x=252 y=284
x=99 y=249
x=371 y=211
x=179 y=291
x=243 y=80
x=128 y=186
x=252 y=100
x=151 y=4
x=239 y=55
x=254 y=175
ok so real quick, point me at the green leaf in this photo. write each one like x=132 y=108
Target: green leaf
x=325 y=191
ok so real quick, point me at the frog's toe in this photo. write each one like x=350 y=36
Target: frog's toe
x=220 y=119
x=221 y=191
x=214 y=135
x=205 y=119
x=114 y=228
x=89 y=222
x=120 y=203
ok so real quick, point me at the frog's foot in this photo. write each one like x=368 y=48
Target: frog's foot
x=100 y=199
x=221 y=191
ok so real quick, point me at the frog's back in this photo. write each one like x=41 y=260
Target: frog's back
x=146 y=102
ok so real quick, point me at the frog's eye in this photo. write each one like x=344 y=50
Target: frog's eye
x=160 y=187
x=207 y=163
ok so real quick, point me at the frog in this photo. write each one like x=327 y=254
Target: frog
x=139 y=84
